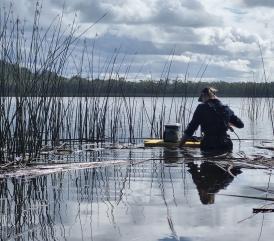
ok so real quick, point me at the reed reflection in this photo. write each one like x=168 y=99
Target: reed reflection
x=25 y=210
x=82 y=204
x=49 y=207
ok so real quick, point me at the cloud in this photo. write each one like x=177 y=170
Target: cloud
x=239 y=65
x=127 y=45
x=134 y=12
x=259 y=3
x=176 y=13
x=236 y=42
x=23 y=9
x=226 y=35
x=130 y=44
x=236 y=10
x=92 y=11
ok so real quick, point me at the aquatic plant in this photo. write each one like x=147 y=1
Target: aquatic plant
x=35 y=113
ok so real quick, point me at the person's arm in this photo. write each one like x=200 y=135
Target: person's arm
x=235 y=120
x=192 y=126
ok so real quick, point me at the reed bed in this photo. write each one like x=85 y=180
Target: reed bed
x=37 y=112
x=34 y=111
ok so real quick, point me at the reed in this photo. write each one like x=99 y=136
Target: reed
x=269 y=100
x=34 y=111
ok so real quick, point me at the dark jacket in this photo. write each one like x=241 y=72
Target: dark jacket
x=213 y=117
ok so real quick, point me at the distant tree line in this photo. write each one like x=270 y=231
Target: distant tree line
x=121 y=87
x=16 y=81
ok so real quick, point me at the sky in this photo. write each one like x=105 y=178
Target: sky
x=214 y=40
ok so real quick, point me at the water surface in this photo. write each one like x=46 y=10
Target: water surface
x=155 y=194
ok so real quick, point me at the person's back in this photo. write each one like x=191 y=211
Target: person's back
x=215 y=119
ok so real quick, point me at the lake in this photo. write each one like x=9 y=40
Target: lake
x=156 y=193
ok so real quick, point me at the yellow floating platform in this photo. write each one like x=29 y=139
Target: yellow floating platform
x=160 y=142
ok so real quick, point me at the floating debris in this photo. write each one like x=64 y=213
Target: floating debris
x=39 y=170
x=263 y=210
x=265 y=147
x=96 y=149
x=250 y=197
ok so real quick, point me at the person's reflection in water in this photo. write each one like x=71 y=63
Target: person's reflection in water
x=210 y=178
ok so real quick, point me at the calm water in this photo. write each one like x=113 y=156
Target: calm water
x=159 y=194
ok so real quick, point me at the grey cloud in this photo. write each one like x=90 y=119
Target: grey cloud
x=179 y=34
x=127 y=45
x=60 y=3
x=92 y=11
x=213 y=71
x=223 y=73
x=24 y=9
x=151 y=60
x=188 y=44
x=180 y=19
x=147 y=51
x=194 y=4
x=109 y=42
x=152 y=57
x=259 y=3
x=180 y=13
x=207 y=49
x=186 y=15
x=236 y=10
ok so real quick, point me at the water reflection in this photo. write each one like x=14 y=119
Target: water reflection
x=151 y=200
x=210 y=178
x=50 y=207
x=171 y=155
x=175 y=239
x=25 y=209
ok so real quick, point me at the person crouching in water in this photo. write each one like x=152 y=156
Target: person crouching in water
x=215 y=119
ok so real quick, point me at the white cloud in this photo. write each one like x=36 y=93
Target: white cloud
x=240 y=65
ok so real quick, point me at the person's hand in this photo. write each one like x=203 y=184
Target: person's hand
x=230 y=126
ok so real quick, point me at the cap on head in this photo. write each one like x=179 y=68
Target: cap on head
x=208 y=92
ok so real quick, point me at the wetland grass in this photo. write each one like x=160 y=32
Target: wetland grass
x=35 y=114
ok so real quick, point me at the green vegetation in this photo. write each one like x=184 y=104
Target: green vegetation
x=78 y=86
x=113 y=87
